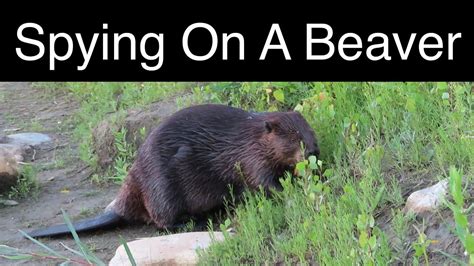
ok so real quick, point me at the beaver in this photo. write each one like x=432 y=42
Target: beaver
x=186 y=164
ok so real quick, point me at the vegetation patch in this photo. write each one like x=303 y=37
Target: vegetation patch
x=379 y=142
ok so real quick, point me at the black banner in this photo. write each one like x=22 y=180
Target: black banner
x=285 y=45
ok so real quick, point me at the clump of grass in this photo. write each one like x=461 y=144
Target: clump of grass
x=35 y=126
x=82 y=255
x=401 y=244
x=27 y=184
x=370 y=134
x=126 y=153
x=305 y=222
x=420 y=247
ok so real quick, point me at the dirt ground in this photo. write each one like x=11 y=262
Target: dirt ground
x=66 y=187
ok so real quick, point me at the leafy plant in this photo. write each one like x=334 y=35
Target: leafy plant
x=126 y=153
x=367 y=237
x=460 y=213
x=27 y=184
x=420 y=247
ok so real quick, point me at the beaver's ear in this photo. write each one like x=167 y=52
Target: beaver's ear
x=270 y=126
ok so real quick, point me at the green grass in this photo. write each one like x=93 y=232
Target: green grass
x=27 y=184
x=371 y=135
x=460 y=213
x=82 y=256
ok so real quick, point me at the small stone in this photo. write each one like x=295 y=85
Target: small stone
x=8 y=202
x=32 y=139
x=176 y=249
x=9 y=130
x=427 y=199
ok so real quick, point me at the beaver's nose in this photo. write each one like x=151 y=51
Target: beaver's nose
x=314 y=151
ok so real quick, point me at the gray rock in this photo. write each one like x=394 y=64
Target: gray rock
x=8 y=202
x=177 y=249
x=427 y=199
x=32 y=139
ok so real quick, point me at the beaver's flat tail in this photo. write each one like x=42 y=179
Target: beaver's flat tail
x=106 y=220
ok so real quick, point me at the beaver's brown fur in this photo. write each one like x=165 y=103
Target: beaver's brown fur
x=186 y=164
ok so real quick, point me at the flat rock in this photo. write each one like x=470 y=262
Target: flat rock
x=32 y=139
x=176 y=249
x=8 y=202
x=427 y=199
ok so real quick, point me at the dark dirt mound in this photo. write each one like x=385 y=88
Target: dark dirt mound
x=135 y=123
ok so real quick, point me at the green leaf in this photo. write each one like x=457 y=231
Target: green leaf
x=227 y=223
x=328 y=173
x=312 y=162
x=17 y=257
x=372 y=242
x=361 y=222
x=418 y=250
x=88 y=255
x=332 y=113
x=7 y=250
x=319 y=187
x=410 y=105
x=127 y=250
x=363 y=239
x=460 y=218
x=72 y=250
x=371 y=221
x=51 y=252
x=353 y=253
x=455 y=182
x=347 y=122
x=443 y=86
x=279 y=95
x=320 y=163
x=377 y=198
x=469 y=243
x=301 y=165
x=298 y=108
